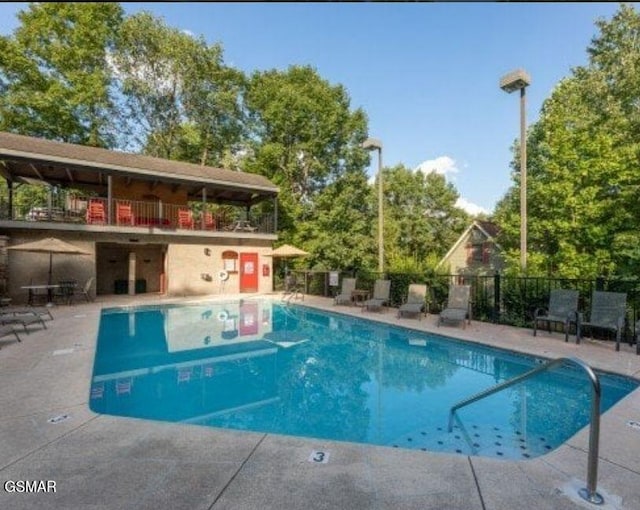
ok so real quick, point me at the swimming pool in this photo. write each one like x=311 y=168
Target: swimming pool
x=289 y=369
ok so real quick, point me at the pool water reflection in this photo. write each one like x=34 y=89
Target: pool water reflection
x=262 y=366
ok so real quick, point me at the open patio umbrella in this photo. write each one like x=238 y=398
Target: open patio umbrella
x=50 y=245
x=286 y=251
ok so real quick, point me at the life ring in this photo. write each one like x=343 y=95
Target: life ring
x=223 y=276
x=223 y=315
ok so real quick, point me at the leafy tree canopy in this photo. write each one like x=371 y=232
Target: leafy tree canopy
x=583 y=156
x=54 y=78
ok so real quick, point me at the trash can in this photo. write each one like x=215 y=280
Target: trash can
x=120 y=287
x=141 y=286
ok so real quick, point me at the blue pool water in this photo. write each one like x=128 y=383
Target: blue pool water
x=262 y=366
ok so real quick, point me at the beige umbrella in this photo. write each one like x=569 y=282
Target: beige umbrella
x=50 y=245
x=286 y=251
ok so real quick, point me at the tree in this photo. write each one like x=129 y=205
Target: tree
x=182 y=101
x=421 y=219
x=305 y=138
x=304 y=135
x=339 y=231
x=583 y=152
x=55 y=82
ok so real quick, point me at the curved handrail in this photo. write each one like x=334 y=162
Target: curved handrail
x=589 y=493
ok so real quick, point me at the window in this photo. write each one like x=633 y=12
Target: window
x=230 y=261
x=479 y=253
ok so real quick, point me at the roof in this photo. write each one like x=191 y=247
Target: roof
x=22 y=152
x=489 y=229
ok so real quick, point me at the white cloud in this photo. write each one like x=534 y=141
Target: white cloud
x=441 y=165
x=470 y=207
x=188 y=32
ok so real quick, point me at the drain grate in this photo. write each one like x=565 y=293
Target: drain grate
x=58 y=419
x=634 y=424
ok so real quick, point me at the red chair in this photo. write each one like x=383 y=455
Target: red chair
x=124 y=214
x=209 y=221
x=185 y=218
x=95 y=212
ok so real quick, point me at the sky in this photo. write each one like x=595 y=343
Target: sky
x=426 y=74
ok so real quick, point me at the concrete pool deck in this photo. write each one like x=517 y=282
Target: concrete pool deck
x=106 y=462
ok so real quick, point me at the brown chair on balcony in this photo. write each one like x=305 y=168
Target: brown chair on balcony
x=95 y=212
x=124 y=214
x=185 y=218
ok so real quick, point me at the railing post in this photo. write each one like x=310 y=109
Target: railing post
x=109 y=200
x=10 y=186
x=589 y=493
x=496 y=297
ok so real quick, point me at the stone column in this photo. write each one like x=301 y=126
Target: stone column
x=132 y=273
x=4 y=266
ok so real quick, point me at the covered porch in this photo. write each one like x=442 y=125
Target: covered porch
x=79 y=185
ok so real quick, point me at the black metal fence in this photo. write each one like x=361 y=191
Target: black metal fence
x=494 y=298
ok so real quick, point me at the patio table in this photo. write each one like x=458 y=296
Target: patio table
x=33 y=288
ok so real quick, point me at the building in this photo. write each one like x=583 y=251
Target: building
x=149 y=224
x=476 y=251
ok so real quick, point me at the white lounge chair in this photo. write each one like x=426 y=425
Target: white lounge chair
x=381 y=289
x=42 y=311
x=458 y=309
x=6 y=330
x=26 y=318
x=346 y=296
x=416 y=301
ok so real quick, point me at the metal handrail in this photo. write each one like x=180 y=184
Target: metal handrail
x=589 y=493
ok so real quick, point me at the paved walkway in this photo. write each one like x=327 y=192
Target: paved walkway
x=106 y=462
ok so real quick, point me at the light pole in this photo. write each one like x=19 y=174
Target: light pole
x=520 y=80
x=375 y=144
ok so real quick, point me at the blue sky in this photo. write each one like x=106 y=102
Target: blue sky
x=426 y=73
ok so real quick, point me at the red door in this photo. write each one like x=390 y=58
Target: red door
x=248 y=272
x=248 y=319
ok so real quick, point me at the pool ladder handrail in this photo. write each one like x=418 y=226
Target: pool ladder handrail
x=589 y=493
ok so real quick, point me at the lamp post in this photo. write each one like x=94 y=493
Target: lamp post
x=374 y=144
x=520 y=80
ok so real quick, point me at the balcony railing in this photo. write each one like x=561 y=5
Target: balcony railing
x=137 y=213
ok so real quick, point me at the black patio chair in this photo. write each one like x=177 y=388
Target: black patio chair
x=608 y=310
x=563 y=308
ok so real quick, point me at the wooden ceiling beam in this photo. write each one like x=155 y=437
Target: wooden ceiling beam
x=5 y=171
x=36 y=171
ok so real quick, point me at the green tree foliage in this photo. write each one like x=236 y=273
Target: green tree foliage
x=421 y=219
x=85 y=73
x=583 y=156
x=54 y=77
x=304 y=136
x=339 y=231
x=182 y=101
